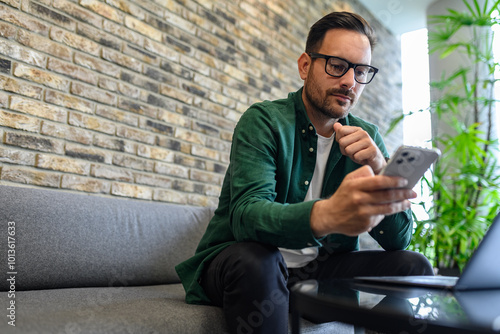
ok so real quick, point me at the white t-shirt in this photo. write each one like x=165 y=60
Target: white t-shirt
x=296 y=258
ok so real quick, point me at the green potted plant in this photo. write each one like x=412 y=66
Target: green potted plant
x=464 y=183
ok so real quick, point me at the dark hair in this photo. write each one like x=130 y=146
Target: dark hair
x=338 y=20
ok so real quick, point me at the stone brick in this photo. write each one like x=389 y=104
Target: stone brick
x=207 y=82
x=115 y=144
x=155 y=153
x=143 y=28
x=189 y=136
x=189 y=161
x=122 y=60
x=30 y=176
x=72 y=71
x=75 y=41
x=42 y=77
x=140 y=81
x=123 y=32
x=133 y=162
x=93 y=93
x=13 y=3
x=24 y=20
x=153 y=180
x=129 y=8
x=135 y=134
x=20 y=87
x=91 y=123
x=161 y=50
x=194 y=89
x=33 y=142
x=172 y=170
x=157 y=6
x=97 y=65
x=130 y=190
x=184 y=186
x=102 y=9
x=180 y=22
x=69 y=133
x=88 y=153
x=174 y=145
x=69 y=101
x=20 y=122
x=117 y=115
x=119 y=87
x=37 y=108
x=171 y=196
x=16 y=156
x=62 y=164
x=221 y=99
x=155 y=100
x=211 y=190
x=138 y=108
x=51 y=15
x=161 y=76
x=141 y=54
x=204 y=152
x=156 y=126
x=179 y=71
x=200 y=200
x=173 y=118
x=20 y=53
x=99 y=36
x=85 y=184
x=4 y=99
x=208 y=106
x=176 y=94
x=206 y=177
x=77 y=12
x=178 y=45
x=7 y=31
x=218 y=144
x=195 y=64
x=112 y=173
x=205 y=128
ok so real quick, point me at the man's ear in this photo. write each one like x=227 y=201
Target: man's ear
x=304 y=63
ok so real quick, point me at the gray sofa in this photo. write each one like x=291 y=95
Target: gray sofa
x=77 y=263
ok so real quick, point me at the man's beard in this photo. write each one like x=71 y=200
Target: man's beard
x=332 y=109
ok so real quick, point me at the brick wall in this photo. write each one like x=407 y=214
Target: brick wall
x=138 y=98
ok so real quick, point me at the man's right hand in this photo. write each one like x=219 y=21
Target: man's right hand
x=360 y=203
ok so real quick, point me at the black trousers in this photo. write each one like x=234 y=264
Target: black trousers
x=250 y=280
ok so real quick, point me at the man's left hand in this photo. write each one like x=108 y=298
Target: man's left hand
x=357 y=144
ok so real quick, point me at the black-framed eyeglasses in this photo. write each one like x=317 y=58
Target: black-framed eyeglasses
x=337 y=67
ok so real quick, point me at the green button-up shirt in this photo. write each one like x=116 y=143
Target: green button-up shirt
x=272 y=161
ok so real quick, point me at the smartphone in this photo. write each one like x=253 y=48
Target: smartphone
x=411 y=163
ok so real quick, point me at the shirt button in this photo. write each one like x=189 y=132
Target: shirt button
x=306 y=183
x=311 y=149
x=311 y=127
x=303 y=131
x=381 y=232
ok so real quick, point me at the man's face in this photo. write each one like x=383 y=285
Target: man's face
x=330 y=96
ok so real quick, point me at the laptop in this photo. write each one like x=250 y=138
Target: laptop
x=481 y=272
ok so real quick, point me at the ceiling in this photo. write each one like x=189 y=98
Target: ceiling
x=399 y=16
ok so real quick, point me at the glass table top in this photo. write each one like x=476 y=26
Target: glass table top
x=478 y=309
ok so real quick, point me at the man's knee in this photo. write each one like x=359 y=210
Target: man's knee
x=414 y=263
x=257 y=261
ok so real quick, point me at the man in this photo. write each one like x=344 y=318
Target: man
x=301 y=186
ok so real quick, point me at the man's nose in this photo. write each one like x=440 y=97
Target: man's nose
x=347 y=80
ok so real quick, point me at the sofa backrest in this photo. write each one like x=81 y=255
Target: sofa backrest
x=62 y=239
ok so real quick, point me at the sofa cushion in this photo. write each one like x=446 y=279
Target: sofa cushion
x=63 y=239
x=133 y=310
